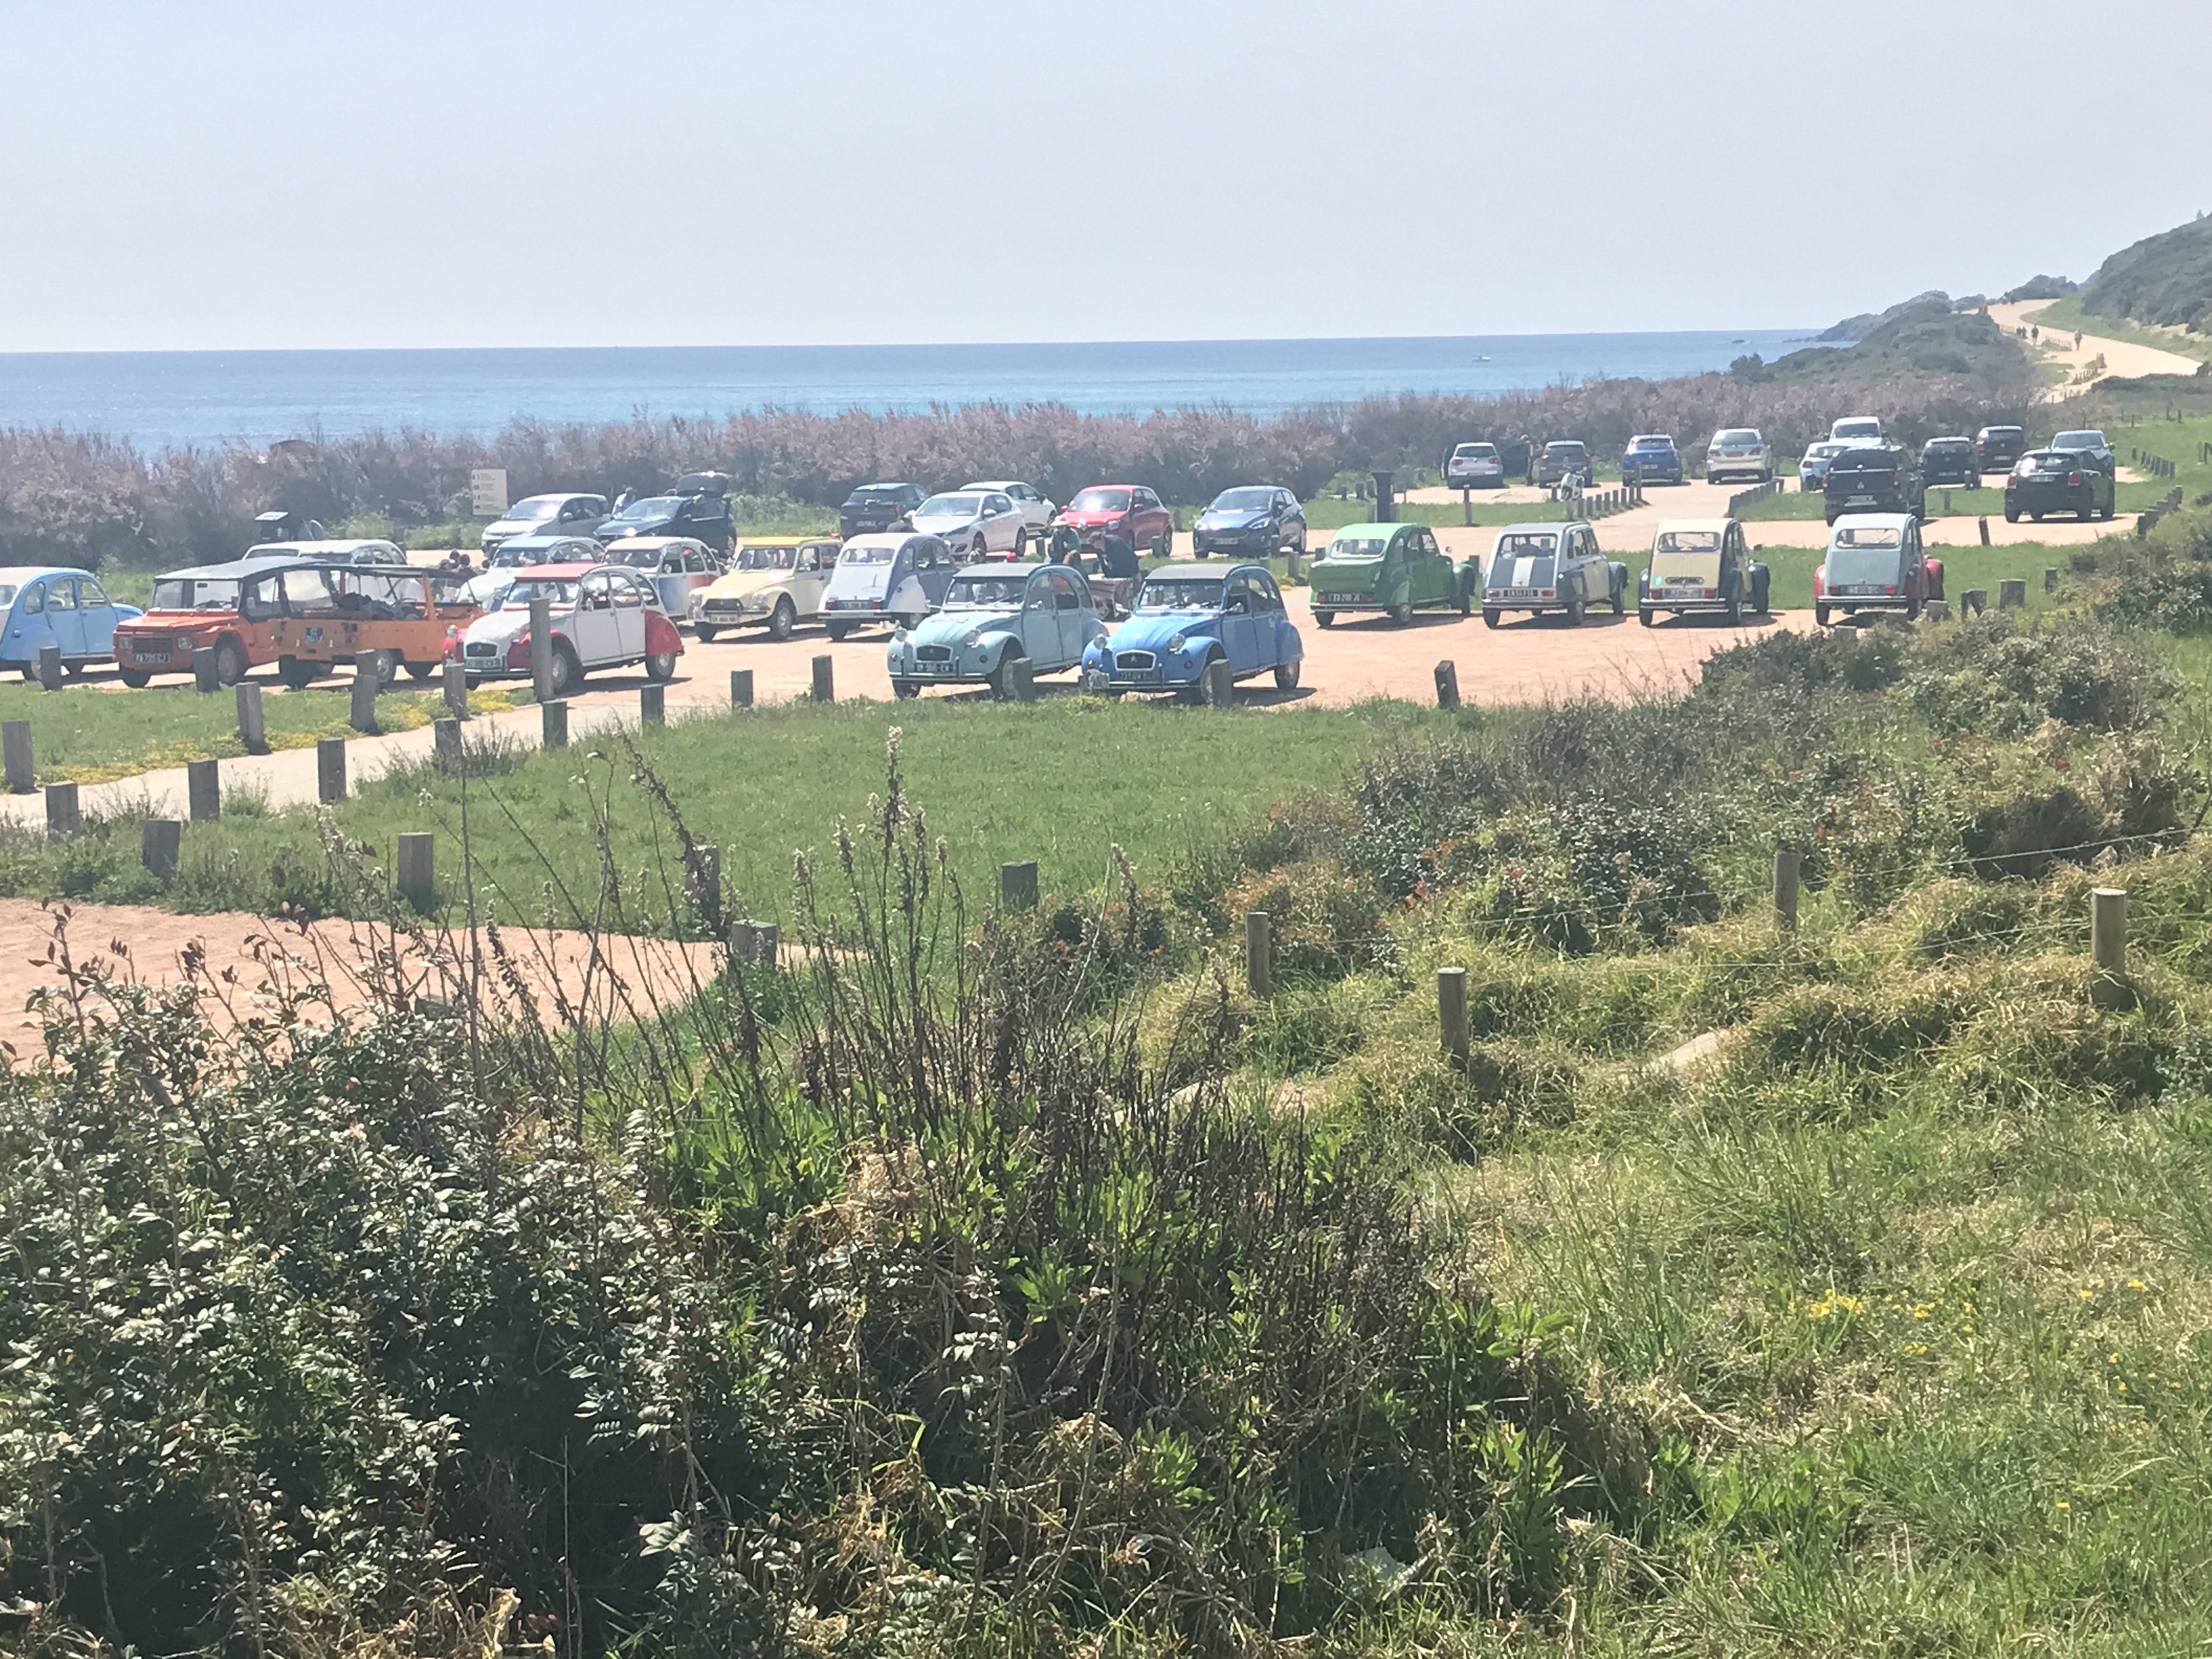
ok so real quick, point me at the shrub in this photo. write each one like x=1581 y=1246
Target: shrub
x=1324 y=921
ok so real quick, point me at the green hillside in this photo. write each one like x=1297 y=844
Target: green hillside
x=2165 y=280
x=1924 y=336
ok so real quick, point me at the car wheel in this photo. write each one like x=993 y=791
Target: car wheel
x=230 y=663
x=1021 y=544
x=660 y=666
x=1298 y=542
x=837 y=630
x=1643 y=616
x=782 y=619
x=1163 y=548
x=1286 y=675
x=567 y=671
x=2109 y=508
x=704 y=633
x=1820 y=615
x=979 y=549
x=1621 y=601
x=2037 y=517
x=1400 y=615
x=2011 y=515
x=1326 y=618
x=136 y=680
x=296 y=674
x=1491 y=618
x=905 y=689
x=1573 y=613
x=1735 y=609
x=420 y=671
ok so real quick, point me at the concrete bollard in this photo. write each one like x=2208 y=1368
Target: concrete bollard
x=702 y=885
x=2012 y=593
x=825 y=684
x=329 y=770
x=1448 y=684
x=1937 y=610
x=1220 y=686
x=50 y=667
x=1947 y=503
x=741 y=688
x=252 y=726
x=1451 y=1013
x=1018 y=885
x=1259 y=943
x=159 y=844
x=553 y=725
x=2051 y=578
x=445 y=745
x=205 y=678
x=418 y=869
x=744 y=943
x=1785 y=889
x=1974 y=601
x=15 y=757
x=63 y=817
x=203 y=791
x=541 y=649
x=766 y=952
x=1290 y=578
x=367 y=671
x=1021 y=678
x=456 y=679
x=1467 y=508
x=652 y=705
x=1984 y=524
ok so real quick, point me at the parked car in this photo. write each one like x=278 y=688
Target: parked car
x=1874 y=478
x=545 y=515
x=874 y=508
x=1551 y=567
x=1130 y=511
x=58 y=605
x=1259 y=520
x=1874 y=561
x=344 y=551
x=1948 y=461
x=2089 y=446
x=1997 y=448
x=1856 y=429
x=1475 y=467
x=1812 y=466
x=517 y=555
x=896 y=577
x=1651 y=457
x=1738 y=451
x=1701 y=565
x=992 y=617
x=974 y=524
x=604 y=616
x=2057 y=481
x=1036 y=509
x=1397 y=569
x=777 y=580
x=1564 y=459
x=1185 y=617
x=698 y=507
x=676 y=566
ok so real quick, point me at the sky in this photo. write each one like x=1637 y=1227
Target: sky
x=262 y=173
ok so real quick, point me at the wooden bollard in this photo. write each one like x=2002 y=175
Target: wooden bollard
x=1974 y=600
x=1018 y=885
x=2108 y=931
x=50 y=667
x=456 y=679
x=418 y=869
x=1021 y=677
x=744 y=943
x=15 y=757
x=1220 y=685
x=2012 y=592
x=159 y=844
x=2051 y=578
x=1937 y=610
x=63 y=817
x=1786 y=863
x=253 y=725
x=367 y=674
x=768 y=945
x=741 y=688
x=1984 y=524
x=825 y=682
x=1447 y=684
x=1291 y=558
x=1467 y=508
x=1259 y=943
x=203 y=791
x=204 y=677
x=329 y=770
x=541 y=649
x=652 y=705
x=446 y=745
x=702 y=885
x=553 y=725
x=1451 y=1012
x=1947 y=503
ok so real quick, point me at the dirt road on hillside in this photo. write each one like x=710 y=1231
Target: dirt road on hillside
x=2124 y=359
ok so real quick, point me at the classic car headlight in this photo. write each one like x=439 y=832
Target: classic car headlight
x=1176 y=641
x=975 y=638
x=899 y=636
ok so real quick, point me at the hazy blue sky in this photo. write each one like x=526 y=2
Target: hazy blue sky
x=269 y=172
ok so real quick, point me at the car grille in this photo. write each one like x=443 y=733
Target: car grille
x=1134 y=660
x=480 y=649
x=933 y=653
x=725 y=607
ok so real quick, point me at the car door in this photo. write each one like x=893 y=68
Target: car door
x=1039 y=622
x=1424 y=581
x=27 y=628
x=1240 y=624
x=810 y=575
x=100 y=617
x=1293 y=531
x=935 y=568
x=592 y=629
x=1277 y=638
x=1002 y=523
x=631 y=596
x=65 y=622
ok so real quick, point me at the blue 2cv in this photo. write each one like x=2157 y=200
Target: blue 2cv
x=993 y=617
x=1188 y=616
x=58 y=606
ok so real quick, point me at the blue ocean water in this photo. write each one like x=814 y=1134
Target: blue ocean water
x=174 y=399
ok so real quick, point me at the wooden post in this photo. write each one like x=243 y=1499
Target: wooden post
x=825 y=685
x=62 y=817
x=1984 y=524
x=1290 y=568
x=1220 y=686
x=456 y=679
x=418 y=869
x=1974 y=600
x=50 y=667
x=553 y=725
x=15 y=757
x=1447 y=684
x=1018 y=885
x=2012 y=592
x=252 y=728
x=766 y=949
x=202 y=791
x=1947 y=503
x=446 y=745
x=702 y=886
x=2108 y=931
x=205 y=678
x=541 y=649
x=1021 y=674
x=744 y=943
x=741 y=688
x=1451 y=1012
x=652 y=705
x=367 y=673
x=1785 y=889
x=1937 y=610
x=2051 y=578
x=329 y=770
x=1466 y=508
x=1259 y=940
x=159 y=843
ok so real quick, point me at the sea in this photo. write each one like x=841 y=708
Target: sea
x=179 y=399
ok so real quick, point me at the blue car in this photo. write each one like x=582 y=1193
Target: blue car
x=56 y=605
x=1651 y=457
x=1253 y=520
x=1188 y=616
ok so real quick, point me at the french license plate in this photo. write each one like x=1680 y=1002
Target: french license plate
x=1513 y=593
x=1871 y=589
x=1860 y=501
x=149 y=656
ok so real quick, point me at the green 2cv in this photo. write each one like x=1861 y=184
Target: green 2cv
x=1395 y=567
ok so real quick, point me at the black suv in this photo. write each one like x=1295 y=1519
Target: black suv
x=698 y=507
x=877 y=506
x=1948 y=461
x=1997 y=448
x=2057 y=481
x=1874 y=478
x=2089 y=444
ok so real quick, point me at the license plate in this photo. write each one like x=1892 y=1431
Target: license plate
x=1870 y=589
x=1860 y=501
x=932 y=667
x=1513 y=593
x=149 y=656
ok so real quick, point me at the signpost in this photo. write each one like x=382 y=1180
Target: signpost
x=488 y=492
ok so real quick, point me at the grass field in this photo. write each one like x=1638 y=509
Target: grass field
x=1792 y=568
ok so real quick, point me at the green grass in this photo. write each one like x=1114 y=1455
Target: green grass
x=2066 y=316
x=1792 y=568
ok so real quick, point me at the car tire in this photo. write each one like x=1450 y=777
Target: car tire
x=1621 y=601
x=703 y=634
x=419 y=671
x=2037 y=517
x=296 y=675
x=1820 y=615
x=1735 y=609
x=2110 y=506
x=782 y=619
x=1573 y=613
x=1467 y=598
x=1286 y=675
x=568 y=670
x=979 y=549
x=1400 y=615
x=1646 y=616
x=230 y=663
x=1298 y=542
x=660 y=666
x=1326 y=618
x=1163 y=545
x=904 y=688
x=2011 y=515
x=1021 y=545
x=1491 y=617
x=137 y=679
x=837 y=630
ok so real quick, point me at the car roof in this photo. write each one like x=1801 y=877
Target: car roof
x=891 y=538
x=1552 y=526
x=994 y=483
x=565 y=573
x=1653 y=438
x=779 y=541
x=240 y=569
x=1565 y=443
x=329 y=548
x=1386 y=529
x=20 y=574
x=1665 y=525
x=883 y=483
x=538 y=541
x=641 y=543
x=1897 y=520
x=1185 y=571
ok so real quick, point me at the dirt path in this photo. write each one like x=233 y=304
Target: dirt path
x=2122 y=358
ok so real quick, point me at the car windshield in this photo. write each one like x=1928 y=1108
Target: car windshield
x=1358 y=547
x=1563 y=449
x=2000 y=432
x=995 y=591
x=1523 y=545
x=1863 y=553
x=1101 y=501
x=874 y=498
x=2078 y=440
x=861 y=555
x=1687 y=541
x=638 y=558
x=195 y=595
x=1243 y=500
x=1745 y=439
x=1864 y=460
x=949 y=507
x=1183 y=592
x=1475 y=453
x=768 y=558
x=536 y=507
x=553 y=593
x=652 y=506
x=2044 y=461
x=1651 y=443
x=1866 y=428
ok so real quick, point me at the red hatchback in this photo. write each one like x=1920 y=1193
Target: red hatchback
x=1129 y=511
